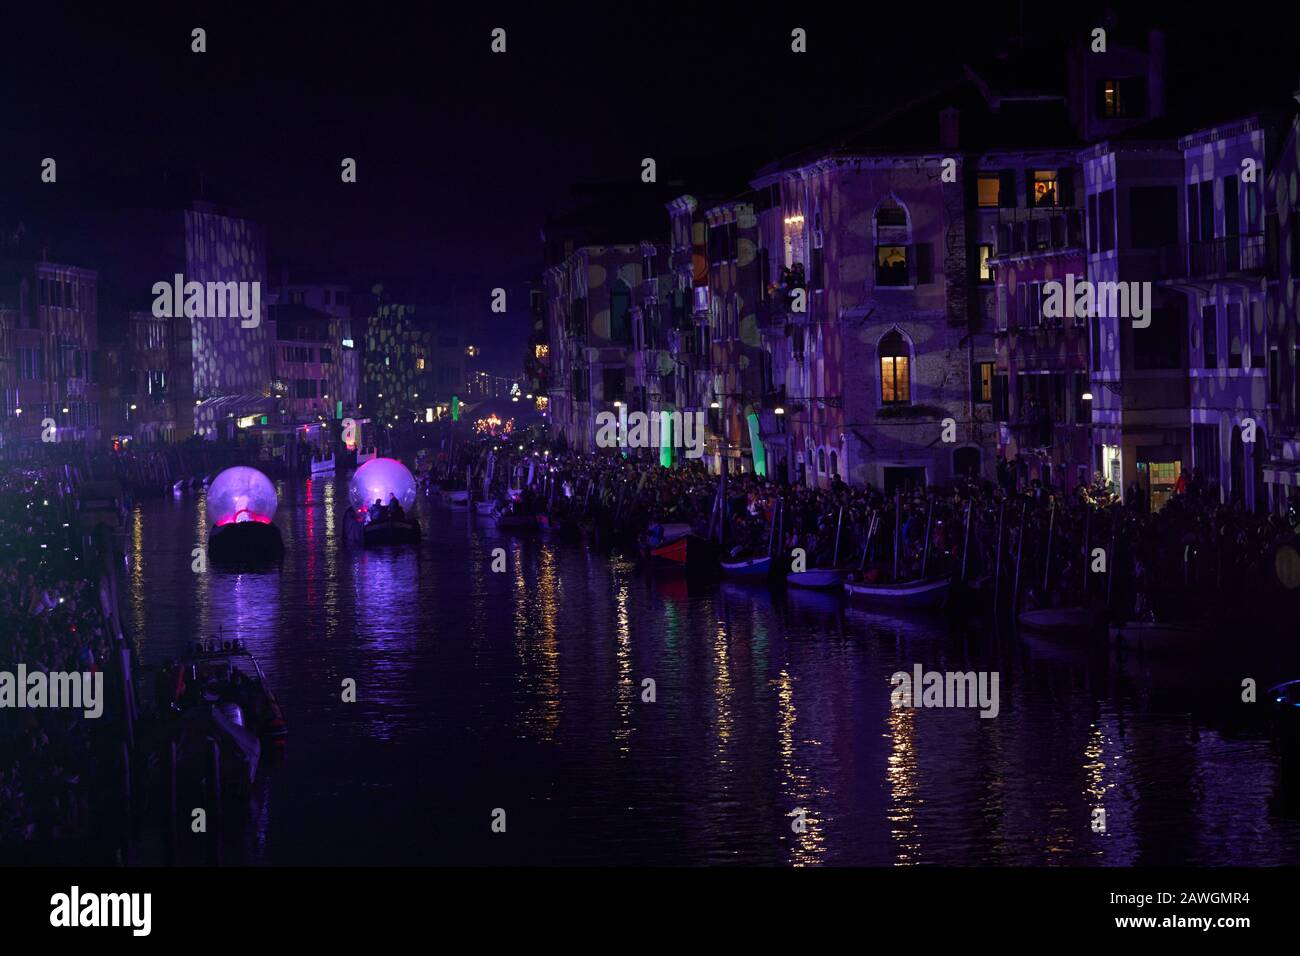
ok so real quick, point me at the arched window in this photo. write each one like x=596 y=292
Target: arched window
x=835 y=463
x=893 y=239
x=821 y=461
x=895 y=370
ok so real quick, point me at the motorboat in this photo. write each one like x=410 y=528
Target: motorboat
x=220 y=694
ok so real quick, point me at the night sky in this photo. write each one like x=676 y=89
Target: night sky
x=463 y=154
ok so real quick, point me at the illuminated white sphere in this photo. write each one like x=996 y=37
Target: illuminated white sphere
x=381 y=478
x=241 y=494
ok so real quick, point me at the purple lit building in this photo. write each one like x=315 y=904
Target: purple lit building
x=51 y=316
x=1219 y=264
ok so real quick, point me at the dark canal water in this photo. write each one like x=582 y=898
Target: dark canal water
x=522 y=691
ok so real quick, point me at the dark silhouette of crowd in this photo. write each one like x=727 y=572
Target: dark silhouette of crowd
x=51 y=619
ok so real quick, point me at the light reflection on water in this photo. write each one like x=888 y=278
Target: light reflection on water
x=523 y=690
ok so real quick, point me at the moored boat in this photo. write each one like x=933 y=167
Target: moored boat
x=676 y=545
x=748 y=568
x=817 y=579
x=515 y=521
x=926 y=593
x=551 y=523
x=1156 y=637
x=1061 y=621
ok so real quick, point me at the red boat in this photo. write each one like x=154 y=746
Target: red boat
x=676 y=545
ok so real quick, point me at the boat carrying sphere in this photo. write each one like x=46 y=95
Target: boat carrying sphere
x=241 y=494
x=381 y=478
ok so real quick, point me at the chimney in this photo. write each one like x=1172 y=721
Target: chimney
x=948 y=128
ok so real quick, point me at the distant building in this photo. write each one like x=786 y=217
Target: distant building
x=136 y=371
x=317 y=357
x=590 y=298
x=414 y=359
x=51 y=319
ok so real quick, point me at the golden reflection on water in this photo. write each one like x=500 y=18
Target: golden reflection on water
x=331 y=548
x=901 y=771
x=627 y=689
x=535 y=640
x=138 y=604
x=722 y=694
x=808 y=847
x=1094 y=768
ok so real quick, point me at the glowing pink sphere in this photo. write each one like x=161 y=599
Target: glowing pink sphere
x=381 y=478
x=241 y=494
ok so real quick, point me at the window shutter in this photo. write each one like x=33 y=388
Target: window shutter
x=924 y=254
x=1135 y=96
x=1006 y=189
x=1029 y=188
x=1065 y=186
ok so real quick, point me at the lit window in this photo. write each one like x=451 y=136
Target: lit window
x=986 y=271
x=419 y=363
x=1045 y=187
x=989 y=190
x=891 y=265
x=895 y=385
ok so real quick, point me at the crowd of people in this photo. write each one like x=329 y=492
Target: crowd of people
x=51 y=619
x=1195 y=546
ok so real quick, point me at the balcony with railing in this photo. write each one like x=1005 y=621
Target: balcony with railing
x=1022 y=232
x=1220 y=257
